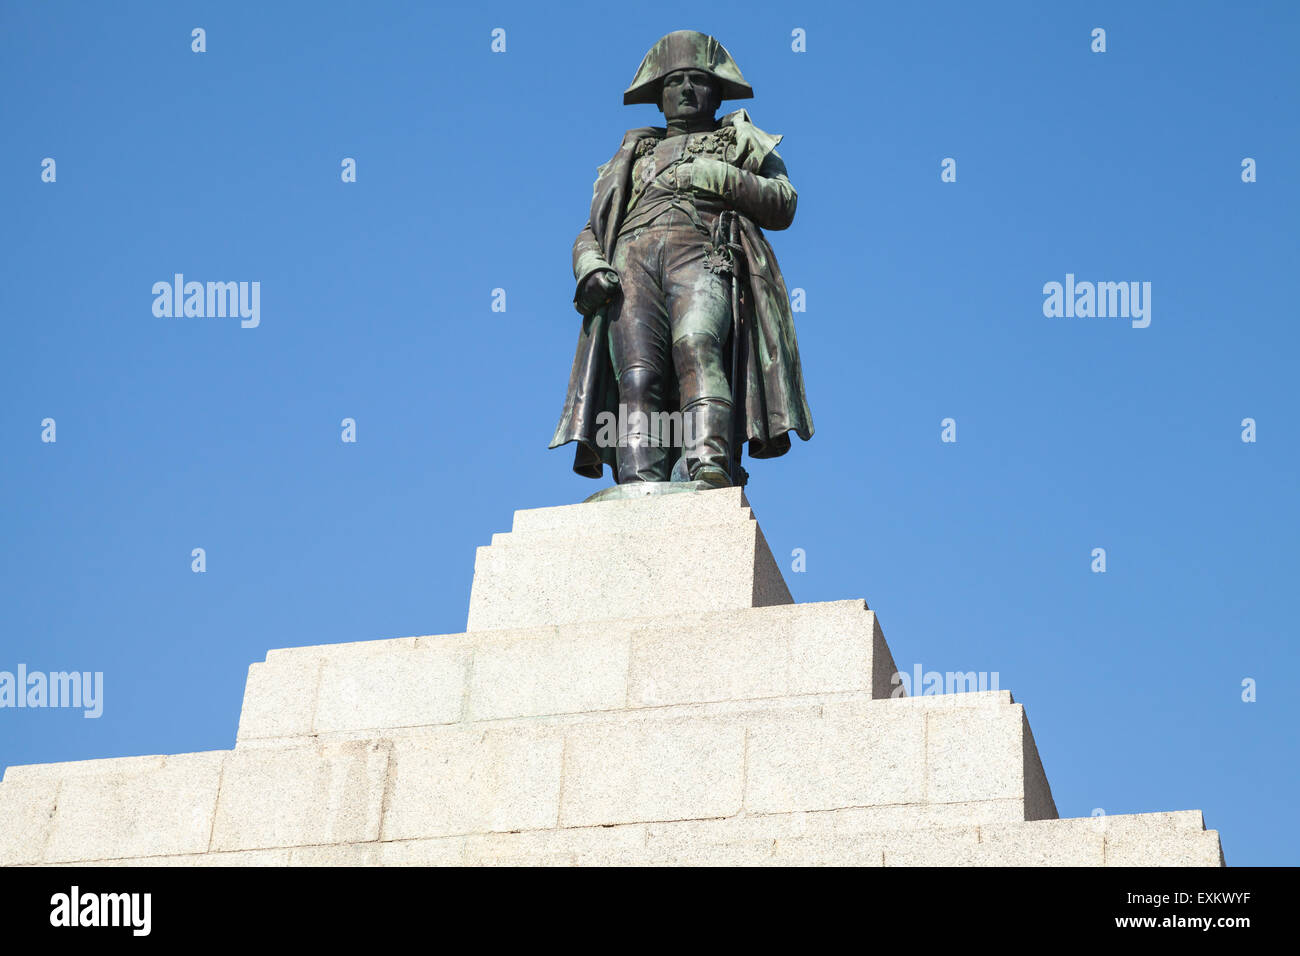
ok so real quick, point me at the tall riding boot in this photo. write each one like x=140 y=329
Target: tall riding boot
x=706 y=408
x=708 y=450
x=641 y=460
x=642 y=454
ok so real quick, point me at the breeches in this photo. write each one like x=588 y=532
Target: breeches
x=672 y=316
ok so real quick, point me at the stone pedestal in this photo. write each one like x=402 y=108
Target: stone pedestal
x=634 y=686
x=687 y=553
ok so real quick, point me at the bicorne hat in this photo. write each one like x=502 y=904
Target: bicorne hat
x=686 y=50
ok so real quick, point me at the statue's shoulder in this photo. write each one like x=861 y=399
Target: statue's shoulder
x=628 y=148
x=634 y=136
x=754 y=143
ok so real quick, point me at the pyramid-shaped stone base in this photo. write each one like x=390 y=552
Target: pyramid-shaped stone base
x=635 y=686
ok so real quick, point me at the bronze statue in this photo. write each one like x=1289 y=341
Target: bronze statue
x=679 y=290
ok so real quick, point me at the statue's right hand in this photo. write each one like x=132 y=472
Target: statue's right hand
x=597 y=289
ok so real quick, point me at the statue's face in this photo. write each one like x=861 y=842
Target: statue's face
x=690 y=94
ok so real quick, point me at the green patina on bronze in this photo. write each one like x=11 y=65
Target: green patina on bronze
x=684 y=50
x=664 y=197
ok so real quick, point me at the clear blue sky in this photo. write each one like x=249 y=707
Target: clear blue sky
x=475 y=171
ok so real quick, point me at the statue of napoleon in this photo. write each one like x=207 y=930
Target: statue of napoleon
x=680 y=293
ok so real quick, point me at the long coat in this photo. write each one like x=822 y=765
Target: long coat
x=774 y=402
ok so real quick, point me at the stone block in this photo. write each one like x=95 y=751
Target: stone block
x=467 y=780
x=1039 y=843
x=280 y=698
x=573 y=669
x=296 y=795
x=153 y=806
x=873 y=757
x=26 y=817
x=410 y=686
x=642 y=770
x=564 y=570
x=974 y=753
x=779 y=651
x=1177 y=838
x=648 y=515
x=789 y=651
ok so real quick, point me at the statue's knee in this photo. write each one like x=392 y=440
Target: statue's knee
x=700 y=368
x=640 y=385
